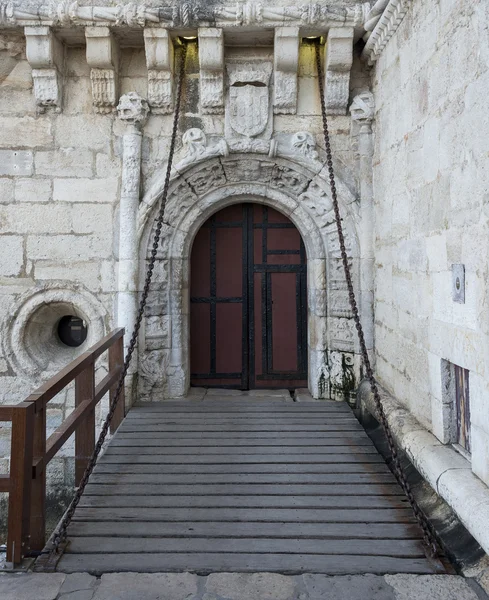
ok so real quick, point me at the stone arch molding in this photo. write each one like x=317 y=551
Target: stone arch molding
x=296 y=187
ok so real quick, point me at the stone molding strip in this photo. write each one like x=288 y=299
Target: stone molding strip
x=68 y=13
x=383 y=26
x=447 y=471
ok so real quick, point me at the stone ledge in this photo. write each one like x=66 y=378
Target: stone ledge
x=447 y=472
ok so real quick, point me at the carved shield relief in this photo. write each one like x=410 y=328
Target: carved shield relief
x=249 y=98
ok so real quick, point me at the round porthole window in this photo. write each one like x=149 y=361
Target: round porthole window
x=72 y=331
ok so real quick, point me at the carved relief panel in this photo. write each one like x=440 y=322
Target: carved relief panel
x=249 y=111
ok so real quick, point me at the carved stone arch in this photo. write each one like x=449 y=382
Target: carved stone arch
x=201 y=190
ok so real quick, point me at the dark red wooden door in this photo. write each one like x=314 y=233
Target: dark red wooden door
x=248 y=301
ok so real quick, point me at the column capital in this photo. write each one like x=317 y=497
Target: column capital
x=133 y=110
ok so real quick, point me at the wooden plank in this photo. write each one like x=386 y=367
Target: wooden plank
x=218 y=529
x=6 y=413
x=127 y=427
x=156 y=450
x=172 y=437
x=192 y=406
x=38 y=490
x=63 y=433
x=240 y=445
x=257 y=489
x=240 y=419
x=372 y=515
x=163 y=468
x=19 y=500
x=241 y=478
x=85 y=432
x=116 y=365
x=100 y=545
x=240 y=416
x=97 y=564
x=198 y=459
x=4 y=483
x=122 y=500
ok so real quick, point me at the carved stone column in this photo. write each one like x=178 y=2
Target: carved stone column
x=362 y=112
x=133 y=110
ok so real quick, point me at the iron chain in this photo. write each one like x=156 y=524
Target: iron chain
x=429 y=535
x=60 y=534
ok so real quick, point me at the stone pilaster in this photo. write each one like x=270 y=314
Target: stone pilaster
x=133 y=110
x=362 y=112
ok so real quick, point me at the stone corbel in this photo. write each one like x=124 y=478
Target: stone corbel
x=339 y=59
x=103 y=58
x=286 y=60
x=211 y=57
x=159 y=60
x=45 y=55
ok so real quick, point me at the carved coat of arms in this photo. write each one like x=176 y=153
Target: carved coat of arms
x=249 y=97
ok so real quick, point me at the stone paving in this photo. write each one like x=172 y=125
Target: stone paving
x=236 y=586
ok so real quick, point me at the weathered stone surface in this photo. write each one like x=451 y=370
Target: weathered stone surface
x=69 y=162
x=434 y=587
x=12 y=255
x=237 y=586
x=361 y=587
x=161 y=586
x=28 y=586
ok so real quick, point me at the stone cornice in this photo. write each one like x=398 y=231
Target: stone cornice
x=387 y=23
x=68 y=13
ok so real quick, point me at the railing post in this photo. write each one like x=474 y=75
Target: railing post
x=38 y=496
x=116 y=361
x=85 y=434
x=21 y=454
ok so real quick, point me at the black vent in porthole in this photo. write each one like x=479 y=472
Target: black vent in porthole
x=72 y=331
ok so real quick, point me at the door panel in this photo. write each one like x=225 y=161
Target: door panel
x=248 y=268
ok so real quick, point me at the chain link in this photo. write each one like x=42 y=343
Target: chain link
x=429 y=534
x=61 y=533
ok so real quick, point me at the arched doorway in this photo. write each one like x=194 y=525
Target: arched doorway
x=248 y=301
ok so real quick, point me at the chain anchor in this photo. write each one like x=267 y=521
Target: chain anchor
x=429 y=534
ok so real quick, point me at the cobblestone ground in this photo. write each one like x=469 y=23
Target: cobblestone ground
x=236 y=586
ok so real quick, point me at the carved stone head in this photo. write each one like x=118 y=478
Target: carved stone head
x=363 y=106
x=133 y=109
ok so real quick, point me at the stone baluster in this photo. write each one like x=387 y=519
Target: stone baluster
x=132 y=110
x=45 y=55
x=362 y=112
x=103 y=58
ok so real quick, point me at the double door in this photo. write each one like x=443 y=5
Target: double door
x=248 y=301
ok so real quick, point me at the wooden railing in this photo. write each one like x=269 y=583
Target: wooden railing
x=31 y=451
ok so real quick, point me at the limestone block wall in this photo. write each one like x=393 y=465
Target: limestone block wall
x=431 y=188
x=61 y=168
